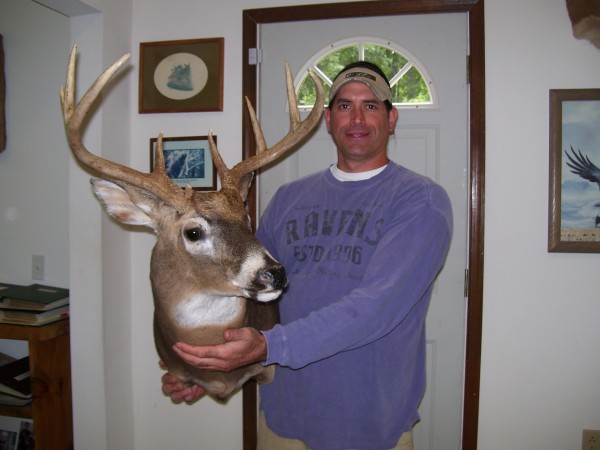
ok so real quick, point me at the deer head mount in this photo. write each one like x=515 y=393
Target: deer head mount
x=585 y=19
x=208 y=272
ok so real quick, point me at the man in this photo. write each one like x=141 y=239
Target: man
x=362 y=243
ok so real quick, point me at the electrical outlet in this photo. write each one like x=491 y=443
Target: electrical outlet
x=37 y=267
x=590 y=440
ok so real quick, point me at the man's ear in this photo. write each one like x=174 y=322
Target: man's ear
x=392 y=119
x=327 y=114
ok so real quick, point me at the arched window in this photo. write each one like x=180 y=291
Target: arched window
x=412 y=87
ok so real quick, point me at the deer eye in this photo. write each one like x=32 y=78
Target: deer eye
x=197 y=236
x=194 y=234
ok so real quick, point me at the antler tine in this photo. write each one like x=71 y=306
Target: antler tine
x=222 y=170
x=298 y=131
x=74 y=115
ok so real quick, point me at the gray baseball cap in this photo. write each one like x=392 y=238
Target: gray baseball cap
x=378 y=85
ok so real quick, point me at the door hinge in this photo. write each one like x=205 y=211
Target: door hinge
x=466 y=288
x=254 y=56
x=468 y=69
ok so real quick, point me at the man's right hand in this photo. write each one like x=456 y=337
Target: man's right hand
x=172 y=387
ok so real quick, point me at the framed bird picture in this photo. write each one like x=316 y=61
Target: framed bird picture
x=574 y=193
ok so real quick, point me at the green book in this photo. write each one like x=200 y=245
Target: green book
x=6 y=287
x=37 y=297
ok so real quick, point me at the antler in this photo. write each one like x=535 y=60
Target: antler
x=231 y=178
x=157 y=182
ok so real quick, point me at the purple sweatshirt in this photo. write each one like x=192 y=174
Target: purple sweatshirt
x=361 y=258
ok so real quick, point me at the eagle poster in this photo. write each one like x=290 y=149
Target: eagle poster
x=575 y=151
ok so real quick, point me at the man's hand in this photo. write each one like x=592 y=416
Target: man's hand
x=243 y=346
x=172 y=387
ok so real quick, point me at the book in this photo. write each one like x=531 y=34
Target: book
x=15 y=378
x=37 y=297
x=5 y=359
x=17 y=433
x=8 y=439
x=7 y=286
x=11 y=400
x=33 y=318
x=26 y=439
x=7 y=399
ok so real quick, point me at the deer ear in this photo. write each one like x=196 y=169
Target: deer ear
x=119 y=205
x=244 y=186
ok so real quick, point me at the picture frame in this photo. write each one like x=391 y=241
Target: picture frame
x=574 y=195
x=188 y=161
x=181 y=76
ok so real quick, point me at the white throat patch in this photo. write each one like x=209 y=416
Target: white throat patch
x=206 y=310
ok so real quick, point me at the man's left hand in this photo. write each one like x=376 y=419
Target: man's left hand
x=242 y=346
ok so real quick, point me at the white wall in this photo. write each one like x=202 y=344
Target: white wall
x=47 y=206
x=540 y=370
x=33 y=174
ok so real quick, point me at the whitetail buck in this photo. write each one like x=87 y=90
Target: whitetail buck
x=206 y=263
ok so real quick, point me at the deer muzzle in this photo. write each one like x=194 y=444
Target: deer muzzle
x=274 y=277
x=268 y=283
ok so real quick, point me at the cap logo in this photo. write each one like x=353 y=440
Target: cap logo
x=376 y=82
x=361 y=74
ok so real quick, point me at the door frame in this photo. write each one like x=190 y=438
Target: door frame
x=252 y=19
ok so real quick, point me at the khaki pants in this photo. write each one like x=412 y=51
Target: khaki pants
x=267 y=440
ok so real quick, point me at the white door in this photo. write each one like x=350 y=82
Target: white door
x=433 y=142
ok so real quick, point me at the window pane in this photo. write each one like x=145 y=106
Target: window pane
x=337 y=60
x=388 y=60
x=308 y=94
x=411 y=88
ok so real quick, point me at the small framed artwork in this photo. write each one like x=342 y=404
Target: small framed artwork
x=188 y=161
x=181 y=76
x=574 y=192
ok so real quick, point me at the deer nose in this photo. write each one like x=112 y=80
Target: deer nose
x=274 y=276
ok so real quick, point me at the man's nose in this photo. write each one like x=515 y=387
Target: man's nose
x=357 y=116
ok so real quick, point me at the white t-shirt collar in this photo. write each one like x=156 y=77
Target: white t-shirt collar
x=354 y=176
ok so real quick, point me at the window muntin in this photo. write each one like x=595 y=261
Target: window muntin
x=412 y=87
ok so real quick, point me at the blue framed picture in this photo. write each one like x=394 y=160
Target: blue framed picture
x=188 y=161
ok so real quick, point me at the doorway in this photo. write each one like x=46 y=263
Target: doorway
x=430 y=140
x=253 y=19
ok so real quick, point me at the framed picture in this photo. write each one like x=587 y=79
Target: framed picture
x=188 y=161
x=574 y=194
x=181 y=76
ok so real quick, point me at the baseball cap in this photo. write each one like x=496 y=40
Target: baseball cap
x=376 y=82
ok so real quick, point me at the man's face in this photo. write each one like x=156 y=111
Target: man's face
x=360 y=126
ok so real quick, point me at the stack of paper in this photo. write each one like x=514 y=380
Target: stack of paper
x=15 y=380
